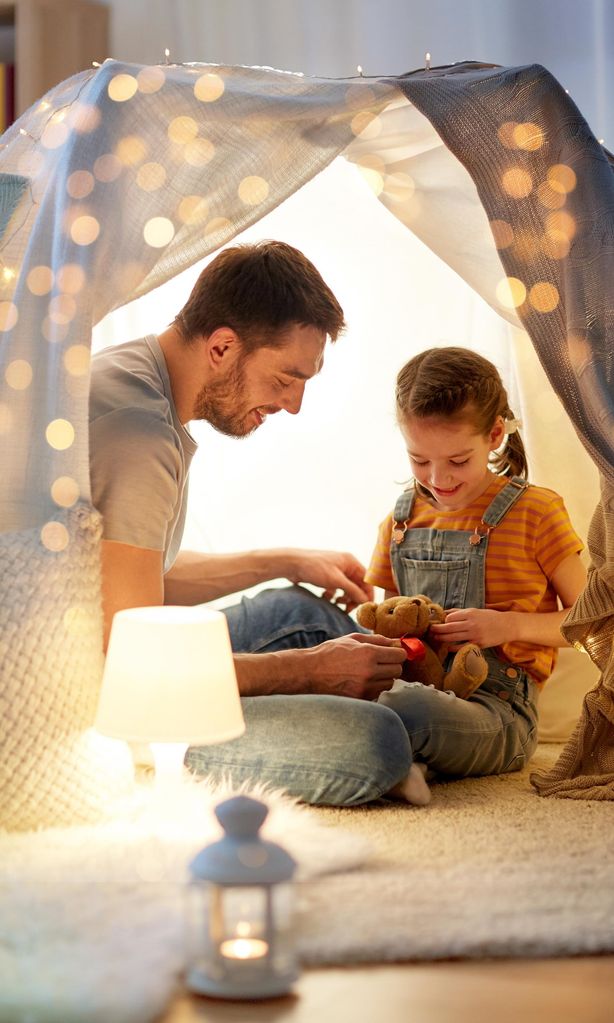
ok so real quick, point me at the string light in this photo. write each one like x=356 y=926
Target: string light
x=427 y=62
x=167 y=54
x=359 y=69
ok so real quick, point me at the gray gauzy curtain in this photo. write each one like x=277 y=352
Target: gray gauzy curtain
x=123 y=176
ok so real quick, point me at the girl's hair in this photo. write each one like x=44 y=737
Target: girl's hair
x=456 y=383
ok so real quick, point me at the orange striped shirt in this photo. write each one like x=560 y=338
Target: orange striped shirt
x=524 y=550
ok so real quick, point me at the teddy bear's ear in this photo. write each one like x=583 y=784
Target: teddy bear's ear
x=365 y=615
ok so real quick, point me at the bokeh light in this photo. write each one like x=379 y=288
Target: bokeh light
x=131 y=150
x=80 y=184
x=505 y=134
x=60 y=434
x=526 y=245
x=9 y=314
x=253 y=190
x=107 y=167
x=209 y=87
x=517 y=182
x=366 y=125
x=77 y=360
x=18 y=374
x=84 y=230
x=71 y=278
x=544 y=297
x=193 y=209
x=158 y=232
x=122 y=87
x=503 y=233
x=199 y=152
x=151 y=176
x=218 y=225
x=150 y=79
x=511 y=292
x=77 y=620
x=560 y=223
x=182 y=130
x=54 y=332
x=528 y=136
x=54 y=536
x=65 y=491
x=54 y=135
x=84 y=118
x=399 y=187
x=40 y=280
x=561 y=178
x=62 y=309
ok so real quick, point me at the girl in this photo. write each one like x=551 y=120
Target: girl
x=498 y=554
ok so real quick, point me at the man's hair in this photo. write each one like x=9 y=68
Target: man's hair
x=259 y=291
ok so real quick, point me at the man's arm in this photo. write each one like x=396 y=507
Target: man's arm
x=131 y=577
x=356 y=665
x=196 y=578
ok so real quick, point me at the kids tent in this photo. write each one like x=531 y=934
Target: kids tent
x=123 y=176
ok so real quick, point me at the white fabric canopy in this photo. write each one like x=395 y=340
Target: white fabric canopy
x=118 y=180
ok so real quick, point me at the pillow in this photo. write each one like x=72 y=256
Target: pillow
x=560 y=702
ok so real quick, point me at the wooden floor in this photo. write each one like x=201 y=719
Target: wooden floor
x=579 y=990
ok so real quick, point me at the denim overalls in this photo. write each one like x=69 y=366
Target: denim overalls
x=495 y=730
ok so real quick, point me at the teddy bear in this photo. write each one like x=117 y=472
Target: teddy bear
x=409 y=619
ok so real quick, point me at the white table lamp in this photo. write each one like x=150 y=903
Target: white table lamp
x=169 y=680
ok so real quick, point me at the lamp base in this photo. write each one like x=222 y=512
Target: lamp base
x=262 y=987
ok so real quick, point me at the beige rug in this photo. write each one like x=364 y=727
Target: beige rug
x=92 y=920
x=487 y=869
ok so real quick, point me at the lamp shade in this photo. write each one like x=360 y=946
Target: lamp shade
x=169 y=677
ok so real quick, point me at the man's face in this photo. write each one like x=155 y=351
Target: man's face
x=264 y=382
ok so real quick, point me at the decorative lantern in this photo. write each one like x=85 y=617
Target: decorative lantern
x=240 y=907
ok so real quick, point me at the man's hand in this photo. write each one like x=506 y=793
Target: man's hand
x=356 y=665
x=333 y=571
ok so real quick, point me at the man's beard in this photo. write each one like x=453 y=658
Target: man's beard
x=219 y=403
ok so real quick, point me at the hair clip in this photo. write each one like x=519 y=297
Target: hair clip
x=511 y=425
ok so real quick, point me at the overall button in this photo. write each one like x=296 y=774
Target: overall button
x=511 y=672
x=503 y=695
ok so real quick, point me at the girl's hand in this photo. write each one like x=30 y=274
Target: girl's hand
x=475 y=625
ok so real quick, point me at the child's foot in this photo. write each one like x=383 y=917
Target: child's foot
x=413 y=789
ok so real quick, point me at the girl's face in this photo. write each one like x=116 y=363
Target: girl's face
x=449 y=459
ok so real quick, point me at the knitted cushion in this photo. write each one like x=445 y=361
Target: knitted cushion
x=54 y=769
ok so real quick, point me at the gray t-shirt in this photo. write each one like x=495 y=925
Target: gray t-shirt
x=140 y=453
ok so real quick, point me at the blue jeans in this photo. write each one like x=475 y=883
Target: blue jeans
x=492 y=732
x=326 y=750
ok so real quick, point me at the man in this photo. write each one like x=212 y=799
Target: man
x=250 y=336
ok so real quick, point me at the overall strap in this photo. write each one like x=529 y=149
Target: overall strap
x=498 y=508
x=402 y=513
x=505 y=499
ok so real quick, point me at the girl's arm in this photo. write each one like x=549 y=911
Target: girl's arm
x=493 y=628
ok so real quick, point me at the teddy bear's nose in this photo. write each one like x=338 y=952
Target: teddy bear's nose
x=417 y=602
